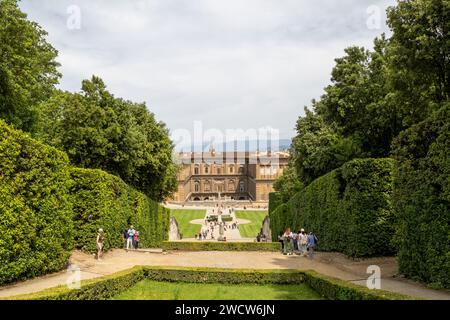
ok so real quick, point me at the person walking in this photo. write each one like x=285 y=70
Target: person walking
x=287 y=239
x=136 y=240
x=312 y=244
x=303 y=242
x=130 y=236
x=99 y=241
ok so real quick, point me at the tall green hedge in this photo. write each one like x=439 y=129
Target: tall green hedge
x=274 y=201
x=101 y=200
x=422 y=199
x=349 y=209
x=47 y=207
x=35 y=211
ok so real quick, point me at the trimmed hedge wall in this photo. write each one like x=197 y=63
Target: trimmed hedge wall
x=349 y=209
x=35 y=211
x=101 y=200
x=274 y=201
x=422 y=199
x=221 y=246
x=47 y=207
x=110 y=286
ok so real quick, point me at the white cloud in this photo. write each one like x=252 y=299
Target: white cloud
x=231 y=64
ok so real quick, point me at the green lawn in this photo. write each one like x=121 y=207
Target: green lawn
x=153 y=290
x=252 y=229
x=183 y=217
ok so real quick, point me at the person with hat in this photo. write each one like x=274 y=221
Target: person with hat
x=99 y=241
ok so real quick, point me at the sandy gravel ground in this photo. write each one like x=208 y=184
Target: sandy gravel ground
x=331 y=264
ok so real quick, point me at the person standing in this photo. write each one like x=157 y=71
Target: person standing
x=303 y=242
x=294 y=241
x=136 y=240
x=130 y=236
x=287 y=239
x=125 y=237
x=99 y=241
x=312 y=244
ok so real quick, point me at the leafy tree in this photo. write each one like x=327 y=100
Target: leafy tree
x=419 y=57
x=100 y=131
x=358 y=104
x=318 y=148
x=288 y=184
x=28 y=70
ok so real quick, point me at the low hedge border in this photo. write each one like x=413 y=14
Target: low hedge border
x=221 y=246
x=109 y=286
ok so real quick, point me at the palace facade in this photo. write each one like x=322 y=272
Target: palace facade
x=208 y=176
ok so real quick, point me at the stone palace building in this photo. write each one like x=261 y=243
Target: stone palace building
x=245 y=176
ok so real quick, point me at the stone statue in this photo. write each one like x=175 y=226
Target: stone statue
x=221 y=232
x=174 y=231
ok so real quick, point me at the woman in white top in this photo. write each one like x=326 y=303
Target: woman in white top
x=287 y=238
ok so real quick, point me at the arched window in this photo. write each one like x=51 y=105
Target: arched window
x=242 y=186
x=197 y=186
x=197 y=170
x=206 y=169
x=207 y=186
x=231 y=186
x=231 y=169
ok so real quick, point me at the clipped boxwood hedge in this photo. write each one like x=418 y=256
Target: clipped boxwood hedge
x=221 y=246
x=35 y=211
x=422 y=199
x=101 y=200
x=112 y=285
x=349 y=209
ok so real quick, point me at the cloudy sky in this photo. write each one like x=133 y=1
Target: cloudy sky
x=232 y=64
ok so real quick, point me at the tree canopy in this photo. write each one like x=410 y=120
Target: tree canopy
x=28 y=67
x=100 y=131
x=376 y=94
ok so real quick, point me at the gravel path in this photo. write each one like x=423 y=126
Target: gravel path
x=331 y=264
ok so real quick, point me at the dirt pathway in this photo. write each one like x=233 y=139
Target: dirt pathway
x=331 y=264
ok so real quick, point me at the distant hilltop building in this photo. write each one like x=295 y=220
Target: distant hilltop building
x=231 y=176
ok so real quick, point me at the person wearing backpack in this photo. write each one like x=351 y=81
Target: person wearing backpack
x=312 y=244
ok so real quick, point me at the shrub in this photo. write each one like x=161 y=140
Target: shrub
x=349 y=209
x=227 y=218
x=422 y=199
x=101 y=200
x=221 y=246
x=35 y=212
x=112 y=285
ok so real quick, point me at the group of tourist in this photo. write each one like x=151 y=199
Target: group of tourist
x=302 y=243
x=221 y=209
x=131 y=238
x=208 y=228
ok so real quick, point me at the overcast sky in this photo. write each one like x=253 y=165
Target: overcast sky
x=228 y=63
